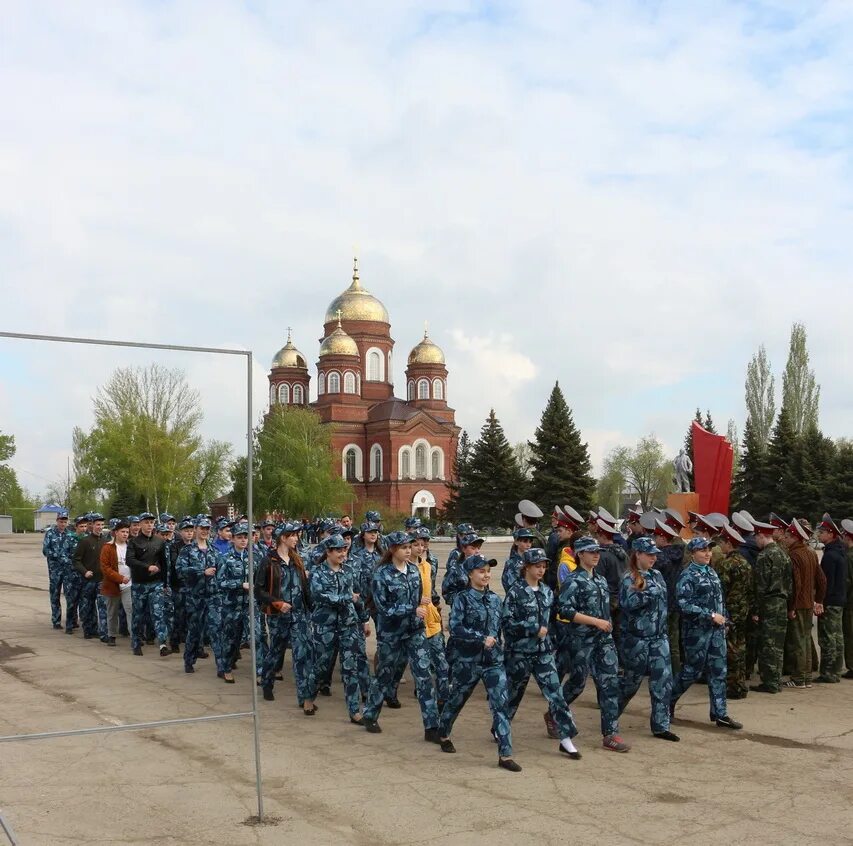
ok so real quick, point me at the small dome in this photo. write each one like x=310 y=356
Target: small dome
x=426 y=352
x=356 y=304
x=289 y=356
x=338 y=343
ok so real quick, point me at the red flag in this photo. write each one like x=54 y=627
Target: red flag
x=712 y=470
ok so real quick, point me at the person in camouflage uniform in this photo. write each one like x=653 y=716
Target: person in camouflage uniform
x=73 y=583
x=55 y=548
x=232 y=585
x=703 y=619
x=585 y=604
x=196 y=566
x=735 y=576
x=773 y=586
x=335 y=621
x=645 y=647
x=525 y=616
x=522 y=541
x=400 y=635
x=475 y=633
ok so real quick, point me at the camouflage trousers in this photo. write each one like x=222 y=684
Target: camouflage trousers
x=673 y=626
x=465 y=674
x=89 y=591
x=647 y=657
x=229 y=633
x=195 y=608
x=393 y=651
x=736 y=660
x=752 y=630
x=772 y=624
x=704 y=652
x=830 y=638
x=847 y=629
x=345 y=642
x=147 y=605
x=798 y=645
x=542 y=666
x=56 y=574
x=177 y=618
x=595 y=654
x=438 y=666
x=278 y=631
x=72 y=582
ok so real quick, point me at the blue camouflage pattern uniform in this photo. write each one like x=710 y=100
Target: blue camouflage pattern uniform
x=279 y=581
x=73 y=585
x=231 y=572
x=645 y=645
x=524 y=612
x=476 y=615
x=699 y=595
x=198 y=592
x=400 y=637
x=590 y=650
x=57 y=549
x=512 y=571
x=335 y=629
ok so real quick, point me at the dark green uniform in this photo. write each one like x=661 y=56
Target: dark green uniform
x=773 y=586
x=736 y=578
x=848 y=614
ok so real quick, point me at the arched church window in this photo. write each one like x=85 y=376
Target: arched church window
x=438 y=389
x=334 y=383
x=420 y=461
x=405 y=464
x=349 y=382
x=298 y=395
x=423 y=389
x=374 y=366
x=351 y=459
x=272 y=394
x=284 y=393
x=410 y=390
x=436 y=465
x=321 y=383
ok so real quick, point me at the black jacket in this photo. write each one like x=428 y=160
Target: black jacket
x=87 y=556
x=142 y=552
x=834 y=566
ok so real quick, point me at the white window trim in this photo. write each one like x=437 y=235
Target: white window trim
x=284 y=387
x=273 y=394
x=400 y=453
x=359 y=461
x=375 y=450
x=329 y=382
x=367 y=365
x=410 y=390
x=321 y=383
x=420 y=382
x=437 y=389
x=301 y=395
x=349 y=376
x=440 y=453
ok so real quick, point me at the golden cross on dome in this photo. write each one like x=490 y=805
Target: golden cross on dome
x=339 y=313
x=426 y=329
x=288 y=334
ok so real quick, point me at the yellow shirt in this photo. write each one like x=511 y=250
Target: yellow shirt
x=433 y=615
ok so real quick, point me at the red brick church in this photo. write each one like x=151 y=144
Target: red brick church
x=394 y=451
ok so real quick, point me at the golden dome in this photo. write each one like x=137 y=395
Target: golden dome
x=426 y=352
x=356 y=304
x=338 y=343
x=289 y=356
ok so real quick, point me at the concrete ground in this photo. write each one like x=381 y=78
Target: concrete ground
x=786 y=778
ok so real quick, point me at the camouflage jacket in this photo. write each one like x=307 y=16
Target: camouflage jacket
x=773 y=574
x=737 y=583
x=58 y=546
x=644 y=612
x=524 y=612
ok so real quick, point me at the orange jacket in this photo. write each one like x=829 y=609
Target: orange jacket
x=109 y=570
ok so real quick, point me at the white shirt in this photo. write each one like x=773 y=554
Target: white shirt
x=123 y=569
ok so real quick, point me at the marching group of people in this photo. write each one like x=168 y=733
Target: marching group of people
x=587 y=601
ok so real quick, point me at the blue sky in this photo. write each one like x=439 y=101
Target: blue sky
x=628 y=197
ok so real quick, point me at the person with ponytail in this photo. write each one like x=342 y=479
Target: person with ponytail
x=645 y=645
x=401 y=609
x=281 y=589
x=335 y=621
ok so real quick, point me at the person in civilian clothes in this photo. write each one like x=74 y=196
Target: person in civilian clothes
x=115 y=586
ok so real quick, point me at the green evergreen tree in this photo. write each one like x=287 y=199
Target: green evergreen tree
x=124 y=503
x=494 y=481
x=709 y=423
x=748 y=492
x=839 y=483
x=458 y=475
x=811 y=465
x=778 y=484
x=561 y=469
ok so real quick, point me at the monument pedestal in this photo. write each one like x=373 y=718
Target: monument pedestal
x=682 y=503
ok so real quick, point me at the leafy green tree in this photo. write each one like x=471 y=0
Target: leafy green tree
x=561 y=472
x=800 y=392
x=645 y=469
x=146 y=442
x=494 y=481
x=7 y=447
x=297 y=467
x=612 y=483
x=839 y=482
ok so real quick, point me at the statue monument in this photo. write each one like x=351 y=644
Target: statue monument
x=683 y=468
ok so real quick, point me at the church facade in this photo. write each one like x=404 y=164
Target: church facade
x=393 y=451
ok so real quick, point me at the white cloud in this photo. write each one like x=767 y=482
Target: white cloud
x=627 y=198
